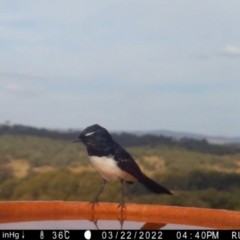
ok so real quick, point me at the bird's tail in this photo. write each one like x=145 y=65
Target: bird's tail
x=153 y=186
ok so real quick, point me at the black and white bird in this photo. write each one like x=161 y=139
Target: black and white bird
x=114 y=162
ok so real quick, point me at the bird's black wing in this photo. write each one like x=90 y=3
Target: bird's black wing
x=126 y=162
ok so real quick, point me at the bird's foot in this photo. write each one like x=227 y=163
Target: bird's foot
x=94 y=221
x=121 y=220
x=122 y=205
x=95 y=201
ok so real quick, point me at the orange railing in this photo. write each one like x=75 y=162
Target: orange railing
x=60 y=210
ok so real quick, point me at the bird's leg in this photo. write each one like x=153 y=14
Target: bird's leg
x=122 y=203
x=95 y=200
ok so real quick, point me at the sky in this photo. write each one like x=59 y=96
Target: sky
x=126 y=65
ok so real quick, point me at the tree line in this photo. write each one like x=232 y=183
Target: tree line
x=128 y=139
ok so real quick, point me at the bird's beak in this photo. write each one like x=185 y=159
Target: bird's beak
x=77 y=140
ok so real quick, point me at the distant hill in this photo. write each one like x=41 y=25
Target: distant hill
x=179 y=135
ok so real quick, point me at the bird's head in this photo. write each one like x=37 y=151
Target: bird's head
x=94 y=135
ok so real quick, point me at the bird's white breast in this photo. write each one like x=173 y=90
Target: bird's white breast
x=108 y=168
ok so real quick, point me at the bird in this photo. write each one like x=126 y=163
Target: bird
x=113 y=162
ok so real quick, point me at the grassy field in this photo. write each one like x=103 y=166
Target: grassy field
x=33 y=168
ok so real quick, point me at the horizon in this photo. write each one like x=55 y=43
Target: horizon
x=137 y=132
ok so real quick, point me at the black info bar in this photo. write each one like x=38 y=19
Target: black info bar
x=119 y=234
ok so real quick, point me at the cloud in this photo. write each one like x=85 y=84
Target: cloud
x=15 y=88
x=233 y=51
x=20 y=90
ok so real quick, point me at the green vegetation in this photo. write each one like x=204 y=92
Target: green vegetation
x=43 y=168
